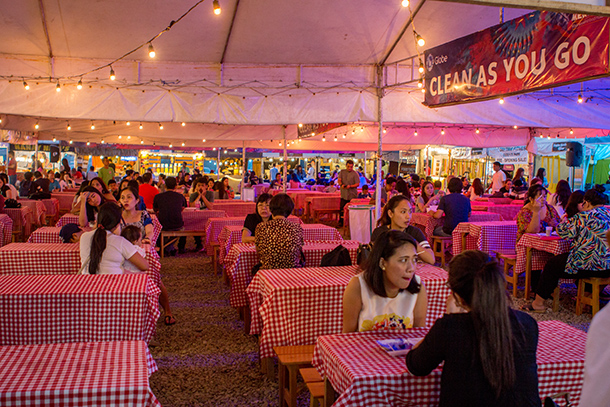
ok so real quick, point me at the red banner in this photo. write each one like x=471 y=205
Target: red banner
x=538 y=50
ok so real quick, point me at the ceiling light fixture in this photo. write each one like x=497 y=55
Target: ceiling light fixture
x=405 y=3
x=68 y=127
x=421 y=66
x=141 y=127
x=58 y=87
x=128 y=123
x=92 y=126
x=501 y=101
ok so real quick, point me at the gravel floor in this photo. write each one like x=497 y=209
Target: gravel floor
x=206 y=359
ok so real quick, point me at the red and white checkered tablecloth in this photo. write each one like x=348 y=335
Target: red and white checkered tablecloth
x=22 y=219
x=243 y=257
x=64 y=199
x=365 y=375
x=296 y=306
x=40 y=258
x=196 y=219
x=234 y=208
x=427 y=223
x=39 y=210
x=6 y=229
x=486 y=236
x=67 y=218
x=500 y=201
x=508 y=212
x=71 y=218
x=76 y=374
x=544 y=250
x=45 y=234
x=324 y=202
x=215 y=225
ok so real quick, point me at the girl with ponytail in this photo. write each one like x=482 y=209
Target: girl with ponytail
x=103 y=250
x=488 y=348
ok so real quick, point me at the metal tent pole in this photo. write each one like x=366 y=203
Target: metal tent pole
x=285 y=160
x=244 y=171
x=218 y=165
x=378 y=186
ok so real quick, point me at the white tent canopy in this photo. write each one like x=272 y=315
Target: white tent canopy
x=255 y=67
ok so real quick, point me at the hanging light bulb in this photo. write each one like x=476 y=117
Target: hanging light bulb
x=203 y=140
x=170 y=145
x=420 y=40
x=25 y=85
x=324 y=138
x=420 y=83
x=141 y=127
x=54 y=139
x=120 y=137
x=548 y=137
x=501 y=101
x=70 y=141
x=79 y=85
x=384 y=131
x=36 y=126
x=216 y=6
x=423 y=90
x=579 y=98
x=477 y=130
x=112 y=75
x=214 y=149
x=92 y=126
x=151 y=50
x=421 y=66
x=128 y=123
x=571 y=131
x=353 y=132
x=415 y=133
x=344 y=136
x=515 y=127
x=68 y=127
x=128 y=137
x=183 y=124
x=141 y=141
x=88 y=143
x=300 y=125
x=443 y=131
x=160 y=126
x=225 y=151
x=0 y=120
x=361 y=129
x=58 y=87
x=335 y=138
x=103 y=142
x=182 y=144
x=405 y=3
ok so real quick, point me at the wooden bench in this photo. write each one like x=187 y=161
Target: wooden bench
x=593 y=301
x=291 y=359
x=215 y=255
x=174 y=235
x=315 y=385
x=439 y=247
x=510 y=261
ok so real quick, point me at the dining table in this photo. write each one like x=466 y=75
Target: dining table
x=356 y=366
x=76 y=374
x=6 y=229
x=427 y=223
x=39 y=210
x=22 y=220
x=490 y=237
x=234 y=207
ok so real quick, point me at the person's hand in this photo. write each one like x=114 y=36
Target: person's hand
x=146 y=241
x=538 y=204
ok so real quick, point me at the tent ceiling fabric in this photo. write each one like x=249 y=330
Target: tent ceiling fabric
x=285 y=62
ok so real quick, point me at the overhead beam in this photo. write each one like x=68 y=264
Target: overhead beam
x=45 y=28
x=224 y=51
x=402 y=32
x=545 y=5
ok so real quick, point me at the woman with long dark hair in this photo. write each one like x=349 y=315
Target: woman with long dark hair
x=427 y=198
x=388 y=293
x=536 y=213
x=574 y=205
x=219 y=191
x=227 y=187
x=476 y=190
x=103 y=250
x=488 y=349
x=519 y=181
x=261 y=215
x=90 y=201
x=541 y=174
x=559 y=200
x=100 y=185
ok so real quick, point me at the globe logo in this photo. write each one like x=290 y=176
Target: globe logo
x=430 y=62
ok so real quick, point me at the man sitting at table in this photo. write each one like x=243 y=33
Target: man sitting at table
x=455 y=206
x=169 y=206
x=390 y=184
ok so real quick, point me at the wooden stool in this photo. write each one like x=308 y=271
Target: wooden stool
x=310 y=375
x=439 y=247
x=215 y=254
x=510 y=260
x=291 y=359
x=596 y=283
x=316 y=393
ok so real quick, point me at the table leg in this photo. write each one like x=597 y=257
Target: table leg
x=329 y=393
x=267 y=367
x=528 y=272
x=282 y=381
x=463 y=242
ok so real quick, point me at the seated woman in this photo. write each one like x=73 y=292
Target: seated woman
x=588 y=255
x=277 y=182
x=396 y=215
x=387 y=294
x=90 y=202
x=536 y=214
x=5 y=190
x=294 y=181
x=99 y=184
x=559 y=200
x=279 y=242
x=12 y=193
x=262 y=215
x=427 y=198
x=488 y=349
x=476 y=190
x=199 y=194
x=103 y=250
x=227 y=188
x=574 y=205
x=76 y=202
x=219 y=191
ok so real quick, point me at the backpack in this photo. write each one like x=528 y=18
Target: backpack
x=12 y=203
x=339 y=256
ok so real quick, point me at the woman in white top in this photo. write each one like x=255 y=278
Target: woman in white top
x=387 y=294
x=559 y=200
x=476 y=190
x=103 y=250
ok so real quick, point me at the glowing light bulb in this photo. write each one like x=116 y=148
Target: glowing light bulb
x=79 y=85
x=501 y=101
x=477 y=130
x=141 y=127
x=183 y=124
x=216 y=6
x=443 y=131
x=335 y=138
x=128 y=123
x=421 y=66
x=70 y=141
x=323 y=138
x=26 y=86
x=344 y=136
x=415 y=133
x=151 y=50
x=580 y=99
x=405 y=3
x=128 y=137
x=170 y=145
x=88 y=143
x=120 y=137
x=58 y=87
x=112 y=75
x=300 y=125
x=384 y=131
x=420 y=83
x=141 y=141
x=160 y=126
x=93 y=127
x=182 y=144
x=54 y=139
x=515 y=127
x=36 y=126
x=420 y=40
x=203 y=140
x=69 y=127
x=103 y=142
x=571 y=131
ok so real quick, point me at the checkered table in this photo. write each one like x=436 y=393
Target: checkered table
x=234 y=207
x=64 y=199
x=6 y=229
x=533 y=251
x=243 y=257
x=45 y=234
x=39 y=210
x=215 y=225
x=196 y=219
x=22 y=220
x=486 y=236
x=365 y=375
x=71 y=218
x=508 y=212
x=500 y=201
x=76 y=374
x=427 y=223
x=314 y=232
x=296 y=306
x=325 y=202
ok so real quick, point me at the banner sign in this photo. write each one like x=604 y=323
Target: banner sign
x=535 y=51
x=311 y=130
x=509 y=155
x=559 y=147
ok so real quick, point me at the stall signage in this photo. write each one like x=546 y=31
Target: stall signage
x=538 y=50
x=23 y=147
x=477 y=152
x=509 y=155
x=351 y=155
x=311 y=130
x=559 y=147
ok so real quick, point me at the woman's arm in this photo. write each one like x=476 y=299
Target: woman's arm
x=419 y=312
x=83 y=221
x=426 y=254
x=246 y=236
x=148 y=232
x=352 y=305
x=139 y=261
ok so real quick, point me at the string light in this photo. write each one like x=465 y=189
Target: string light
x=571 y=131
x=443 y=131
x=54 y=139
x=141 y=127
x=68 y=127
x=171 y=145
x=93 y=127
x=421 y=66
x=344 y=136
x=160 y=126
x=36 y=126
x=141 y=141
x=112 y=75
x=300 y=125
x=79 y=85
x=225 y=151
x=548 y=137
x=415 y=133
x=501 y=101
x=353 y=132
x=0 y=120
x=405 y=3
x=216 y=6
x=361 y=129
x=580 y=98
x=420 y=83
x=420 y=40
x=423 y=90
x=128 y=137
x=58 y=87
x=128 y=123
x=103 y=142
x=203 y=140
x=25 y=85
x=151 y=50
x=183 y=124
x=182 y=144
x=515 y=127
x=477 y=130
x=384 y=131
x=120 y=137
x=335 y=138
x=214 y=149
x=88 y=143
x=70 y=141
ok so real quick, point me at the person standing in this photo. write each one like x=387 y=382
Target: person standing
x=497 y=182
x=91 y=173
x=273 y=172
x=349 y=181
x=311 y=171
x=147 y=190
x=106 y=173
x=12 y=168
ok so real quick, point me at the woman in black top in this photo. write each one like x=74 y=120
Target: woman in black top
x=488 y=348
x=262 y=214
